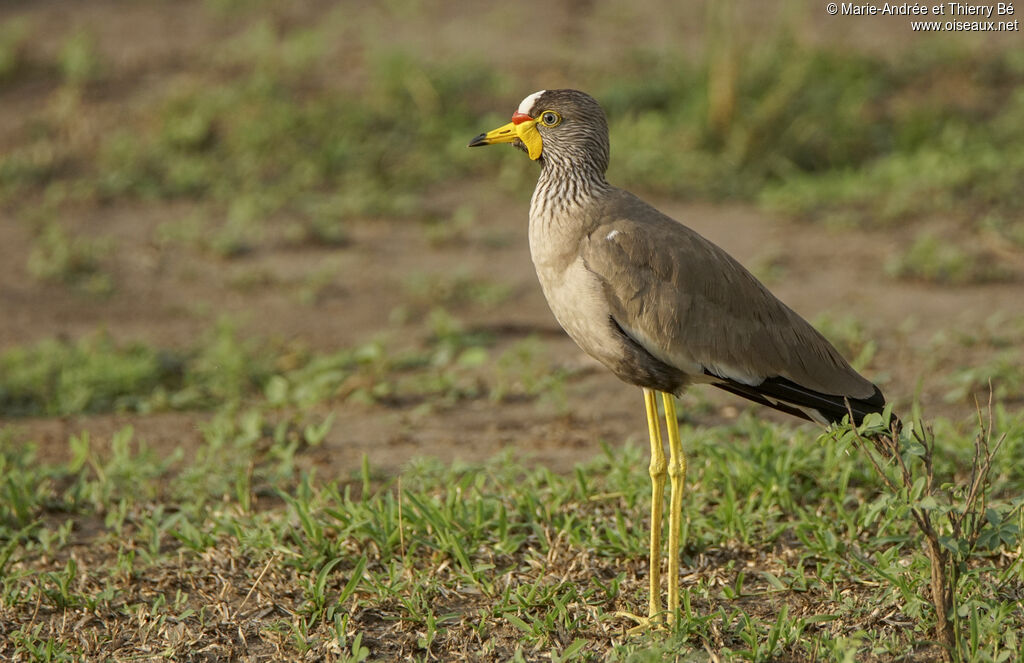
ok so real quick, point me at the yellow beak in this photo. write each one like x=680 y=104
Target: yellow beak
x=522 y=127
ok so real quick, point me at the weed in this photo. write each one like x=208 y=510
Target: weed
x=1001 y=373
x=957 y=521
x=320 y=224
x=61 y=378
x=452 y=289
x=849 y=336
x=256 y=143
x=94 y=374
x=60 y=257
x=521 y=370
x=319 y=284
x=14 y=35
x=271 y=53
x=932 y=259
x=446 y=231
x=79 y=61
x=921 y=160
x=1011 y=231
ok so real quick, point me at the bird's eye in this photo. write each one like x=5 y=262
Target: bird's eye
x=550 y=118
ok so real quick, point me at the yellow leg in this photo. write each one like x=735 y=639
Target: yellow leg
x=677 y=478
x=658 y=473
x=657 y=470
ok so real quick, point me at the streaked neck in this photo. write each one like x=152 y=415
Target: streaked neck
x=563 y=187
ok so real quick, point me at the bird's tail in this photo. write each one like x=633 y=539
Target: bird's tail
x=787 y=396
x=826 y=409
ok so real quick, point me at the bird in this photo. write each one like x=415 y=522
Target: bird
x=661 y=306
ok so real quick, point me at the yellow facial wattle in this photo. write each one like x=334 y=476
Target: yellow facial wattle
x=522 y=127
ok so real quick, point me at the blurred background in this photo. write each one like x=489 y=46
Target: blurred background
x=222 y=204
x=256 y=294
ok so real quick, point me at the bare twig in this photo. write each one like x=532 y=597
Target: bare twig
x=255 y=584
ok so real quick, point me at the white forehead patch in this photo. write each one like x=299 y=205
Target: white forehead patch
x=526 y=104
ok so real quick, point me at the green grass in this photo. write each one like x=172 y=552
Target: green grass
x=793 y=547
x=13 y=36
x=933 y=259
x=262 y=135
x=95 y=374
x=793 y=550
x=937 y=151
x=454 y=288
x=849 y=336
x=78 y=61
x=229 y=542
x=992 y=357
x=823 y=134
x=259 y=145
x=1001 y=371
x=60 y=257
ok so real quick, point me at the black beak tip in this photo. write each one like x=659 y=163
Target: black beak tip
x=478 y=141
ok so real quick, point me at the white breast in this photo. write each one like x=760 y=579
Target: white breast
x=573 y=292
x=578 y=302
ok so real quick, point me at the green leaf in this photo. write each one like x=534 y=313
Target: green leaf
x=519 y=623
x=575 y=648
x=774 y=581
x=353 y=581
x=321 y=578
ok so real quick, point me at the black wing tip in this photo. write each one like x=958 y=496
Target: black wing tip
x=877 y=398
x=787 y=396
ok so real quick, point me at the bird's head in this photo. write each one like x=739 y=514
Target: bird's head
x=563 y=127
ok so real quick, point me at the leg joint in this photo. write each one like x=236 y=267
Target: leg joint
x=677 y=468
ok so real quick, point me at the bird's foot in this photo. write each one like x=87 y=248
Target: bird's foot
x=655 y=622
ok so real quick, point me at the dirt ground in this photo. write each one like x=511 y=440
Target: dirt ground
x=168 y=297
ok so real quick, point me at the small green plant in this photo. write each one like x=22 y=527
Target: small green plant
x=1010 y=230
x=95 y=374
x=1001 y=373
x=319 y=284
x=523 y=369
x=13 y=36
x=957 y=521
x=849 y=336
x=60 y=257
x=56 y=377
x=320 y=228
x=448 y=230
x=79 y=60
x=455 y=289
x=272 y=51
x=933 y=259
